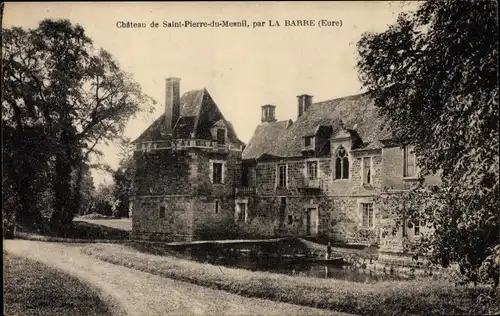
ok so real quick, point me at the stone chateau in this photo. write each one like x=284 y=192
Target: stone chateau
x=316 y=176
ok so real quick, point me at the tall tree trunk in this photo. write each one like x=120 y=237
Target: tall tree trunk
x=67 y=157
x=63 y=212
x=77 y=197
x=28 y=212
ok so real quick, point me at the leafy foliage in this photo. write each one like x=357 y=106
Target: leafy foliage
x=104 y=201
x=62 y=97
x=433 y=75
x=123 y=178
x=220 y=229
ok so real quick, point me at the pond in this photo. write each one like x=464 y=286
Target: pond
x=296 y=267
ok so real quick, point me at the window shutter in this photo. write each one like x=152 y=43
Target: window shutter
x=223 y=172
x=276 y=176
x=286 y=175
x=211 y=174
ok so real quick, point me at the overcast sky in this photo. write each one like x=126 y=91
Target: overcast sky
x=242 y=68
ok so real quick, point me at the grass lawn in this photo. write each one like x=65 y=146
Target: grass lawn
x=31 y=288
x=120 y=223
x=416 y=297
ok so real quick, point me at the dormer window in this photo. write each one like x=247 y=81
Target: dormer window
x=341 y=164
x=309 y=143
x=309 y=140
x=221 y=136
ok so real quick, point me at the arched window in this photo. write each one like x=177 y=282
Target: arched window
x=341 y=164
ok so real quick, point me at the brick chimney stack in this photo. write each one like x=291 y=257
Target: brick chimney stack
x=172 y=103
x=304 y=101
x=268 y=113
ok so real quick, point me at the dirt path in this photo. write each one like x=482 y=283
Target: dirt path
x=143 y=294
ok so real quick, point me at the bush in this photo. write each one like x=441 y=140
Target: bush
x=489 y=271
x=8 y=227
x=219 y=229
x=94 y=216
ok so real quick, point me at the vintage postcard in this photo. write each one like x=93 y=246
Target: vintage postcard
x=250 y=158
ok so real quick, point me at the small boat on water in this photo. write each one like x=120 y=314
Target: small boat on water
x=335 y=260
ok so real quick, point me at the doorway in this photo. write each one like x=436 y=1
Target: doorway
x=312 y=221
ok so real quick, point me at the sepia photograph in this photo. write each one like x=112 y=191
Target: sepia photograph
x=250 y=158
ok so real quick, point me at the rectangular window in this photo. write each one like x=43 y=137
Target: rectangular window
x=312 y=170
x=162 y=211
x=409 y=162
x=404 y=230
x=244 y=176
x=367 y=209
x=416 y=231
x=217 y=173
x=216 y=207
x=241 y=211
x=221 y=136
x=290 y=219
x=367 y=170
x=282 y=173
x=412 y=225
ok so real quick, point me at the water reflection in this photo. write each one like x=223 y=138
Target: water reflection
x=294 y=267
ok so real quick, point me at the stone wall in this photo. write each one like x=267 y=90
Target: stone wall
x=263 y=217
x=163 y=172
x=180 y=182
x=266 y=176
x=176 y=223
x=232 y=173
x=338 y=202
x=338 y=218
x=205 y=210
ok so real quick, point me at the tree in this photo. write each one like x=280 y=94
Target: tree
x=123 y=179
x=433 y=75
x=25 y=156
x=104 y=199
x=87 y=189
x=76 y=94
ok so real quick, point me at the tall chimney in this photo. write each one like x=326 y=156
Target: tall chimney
x=304 y=101
x=172 y=103
x=268 y=114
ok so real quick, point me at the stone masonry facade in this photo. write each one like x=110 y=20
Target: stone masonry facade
x=319 y=176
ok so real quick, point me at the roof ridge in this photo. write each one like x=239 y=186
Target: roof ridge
x=193 y=90
x=342 y=98
x=275 y=122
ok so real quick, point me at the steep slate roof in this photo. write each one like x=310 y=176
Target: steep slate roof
x=348 y=112
x=264 y=138
x=198 y=112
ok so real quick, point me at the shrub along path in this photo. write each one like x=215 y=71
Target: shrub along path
x=142 y=294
